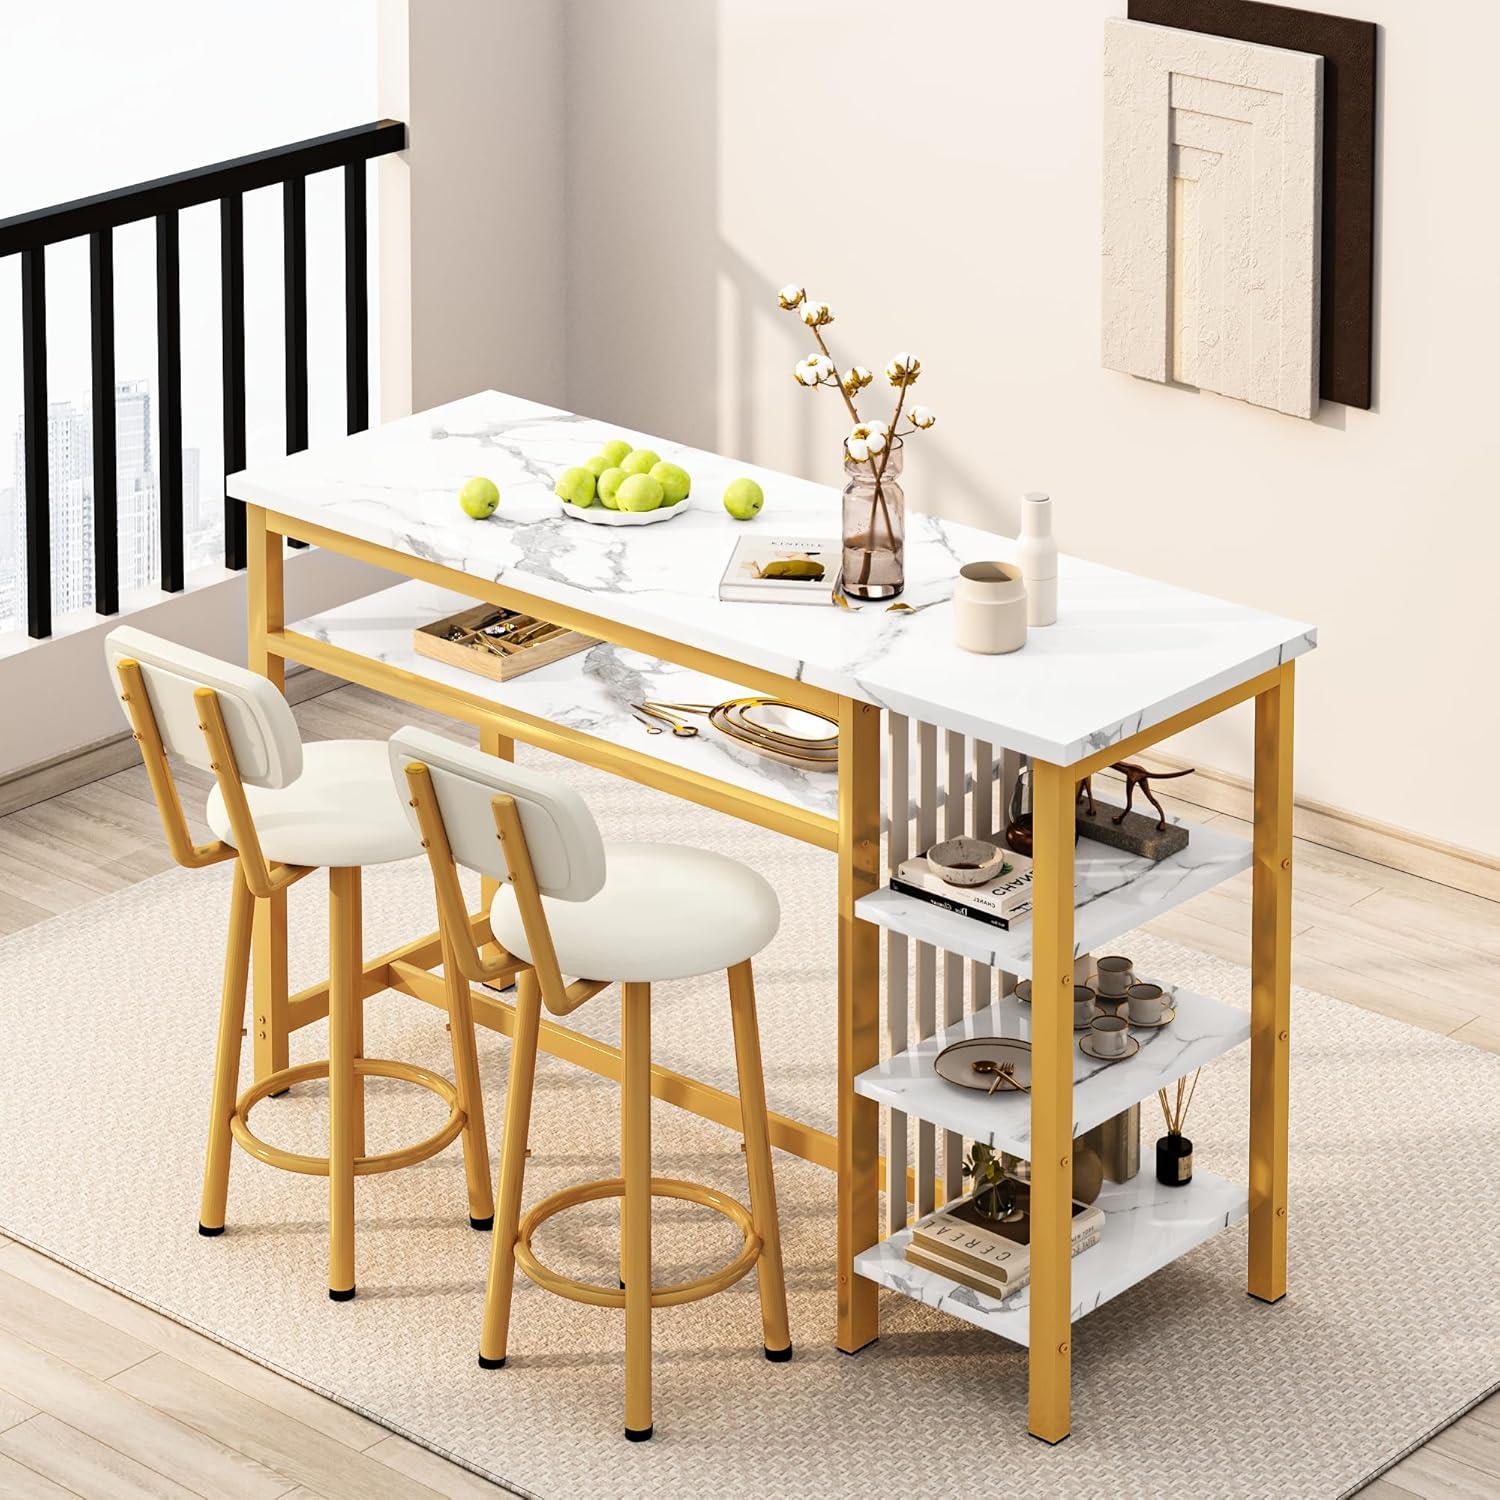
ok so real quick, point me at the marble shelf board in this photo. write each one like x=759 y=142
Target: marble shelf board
x=1114 y=891
x=591 y=692
x=1126 y=652
x=1203 y=1030
x=1146 y=1226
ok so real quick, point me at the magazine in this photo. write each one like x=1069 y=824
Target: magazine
x=781 y=570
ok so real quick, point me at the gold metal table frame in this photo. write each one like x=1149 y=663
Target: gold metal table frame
x=854 y=836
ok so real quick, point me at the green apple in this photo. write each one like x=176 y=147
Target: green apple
x=610 y=481
x=640 y=461
x=479 y=497
x=675 y=482
x=576 y=486
x=638 y=492
x=597 y=465
x=615 y=450
x=743 y=499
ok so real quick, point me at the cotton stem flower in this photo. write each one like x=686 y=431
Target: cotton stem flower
x=816 y=314
x=791 y=296
x=865 y=440
x=921 y=416
x=813 y=370
x=856 y=378
x=903 y=370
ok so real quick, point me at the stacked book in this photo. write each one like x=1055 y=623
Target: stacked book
x=1001 y=902
x=993 y=1257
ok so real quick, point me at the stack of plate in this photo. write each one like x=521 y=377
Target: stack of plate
x=779 y=731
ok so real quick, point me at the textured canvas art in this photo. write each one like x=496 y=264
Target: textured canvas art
x=1212 y=169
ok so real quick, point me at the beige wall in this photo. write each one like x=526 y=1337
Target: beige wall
x=933 y=172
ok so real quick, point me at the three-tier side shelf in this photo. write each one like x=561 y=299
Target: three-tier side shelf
x=1146 y=1224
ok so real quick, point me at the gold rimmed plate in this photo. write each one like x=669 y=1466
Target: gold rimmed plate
x=1167 y=1017
x=786 y=722
x=955 y=1063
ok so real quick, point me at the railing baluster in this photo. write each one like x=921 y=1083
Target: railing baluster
x=102 y=350
x=981 y=977
x=294 y=264
x=897 y=993
x=926 y=959
x=356 y=300
x=34 y=427
x=169 y=397
x=232 y=302
x=953 y=963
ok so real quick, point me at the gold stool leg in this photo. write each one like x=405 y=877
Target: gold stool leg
x=470 y=1095
x=495 y=1330
x=354 y=933
x=769 y=1274
x=635 y=1168
x=343 y=998
x=227 y=1056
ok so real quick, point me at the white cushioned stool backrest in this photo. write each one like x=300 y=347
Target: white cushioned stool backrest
x=561 y=835
x=262 y=731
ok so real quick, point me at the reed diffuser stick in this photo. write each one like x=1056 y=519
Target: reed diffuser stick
x=1175 y=1113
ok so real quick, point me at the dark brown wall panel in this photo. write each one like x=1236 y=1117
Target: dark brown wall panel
x=1346 y=291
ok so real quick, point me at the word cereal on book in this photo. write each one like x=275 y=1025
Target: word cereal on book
x=987 y=1255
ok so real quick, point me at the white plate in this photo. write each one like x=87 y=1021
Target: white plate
x=955 y=1063
x=601 y=515
x=795 y=723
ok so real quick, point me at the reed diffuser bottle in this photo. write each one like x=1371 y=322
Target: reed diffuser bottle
x=1174 y=1151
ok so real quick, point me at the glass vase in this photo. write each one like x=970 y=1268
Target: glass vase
x=874 y=528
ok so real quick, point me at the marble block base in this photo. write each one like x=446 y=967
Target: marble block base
x=1137 y=833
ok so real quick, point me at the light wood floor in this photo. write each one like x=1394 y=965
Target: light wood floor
x=101 y=1397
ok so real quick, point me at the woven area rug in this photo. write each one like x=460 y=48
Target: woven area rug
x=1182 y=1386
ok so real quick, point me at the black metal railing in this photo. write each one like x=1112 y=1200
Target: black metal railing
x=28 y=235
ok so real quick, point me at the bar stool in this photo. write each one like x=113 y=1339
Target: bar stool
x=636 y=913
x=281 y=810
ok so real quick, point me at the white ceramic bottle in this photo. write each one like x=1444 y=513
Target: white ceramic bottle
x=1038 y=558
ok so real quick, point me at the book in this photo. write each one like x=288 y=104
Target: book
x=781 y=570
x=1001 y=902
x=976 y=1280
x=960 y=1238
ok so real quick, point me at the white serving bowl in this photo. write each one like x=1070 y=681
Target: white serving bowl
x=601 y=515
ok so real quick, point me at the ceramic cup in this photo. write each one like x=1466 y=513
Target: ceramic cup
x=1146 y=1002
x=1083 y=1005
x=989 y=608
x=1111 y=1036
x=1114 y=977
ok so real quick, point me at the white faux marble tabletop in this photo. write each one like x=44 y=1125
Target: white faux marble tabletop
x=1126 y=652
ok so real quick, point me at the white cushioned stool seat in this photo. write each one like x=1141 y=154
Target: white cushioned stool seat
x=343 y=810
x=666 y=912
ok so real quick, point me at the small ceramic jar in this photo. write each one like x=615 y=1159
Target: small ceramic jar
x=989 y=608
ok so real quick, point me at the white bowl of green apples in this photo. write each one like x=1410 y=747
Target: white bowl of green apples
x=623 y=486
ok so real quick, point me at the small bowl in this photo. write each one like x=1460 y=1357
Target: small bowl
x=966 y=861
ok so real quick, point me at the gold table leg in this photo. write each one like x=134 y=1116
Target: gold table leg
x=858 y=1018
x=1270 y=988
x=1051 y=1339
x=267 y=612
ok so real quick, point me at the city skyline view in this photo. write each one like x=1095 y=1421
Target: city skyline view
x=121 y=120
x=70 y=461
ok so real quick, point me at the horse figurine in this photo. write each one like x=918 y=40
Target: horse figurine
x=1135 y=776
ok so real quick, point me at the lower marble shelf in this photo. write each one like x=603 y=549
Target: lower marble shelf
x=1146 y=1226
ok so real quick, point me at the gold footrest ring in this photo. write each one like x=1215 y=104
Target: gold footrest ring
x=661 y=1296
x=364 y=1166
